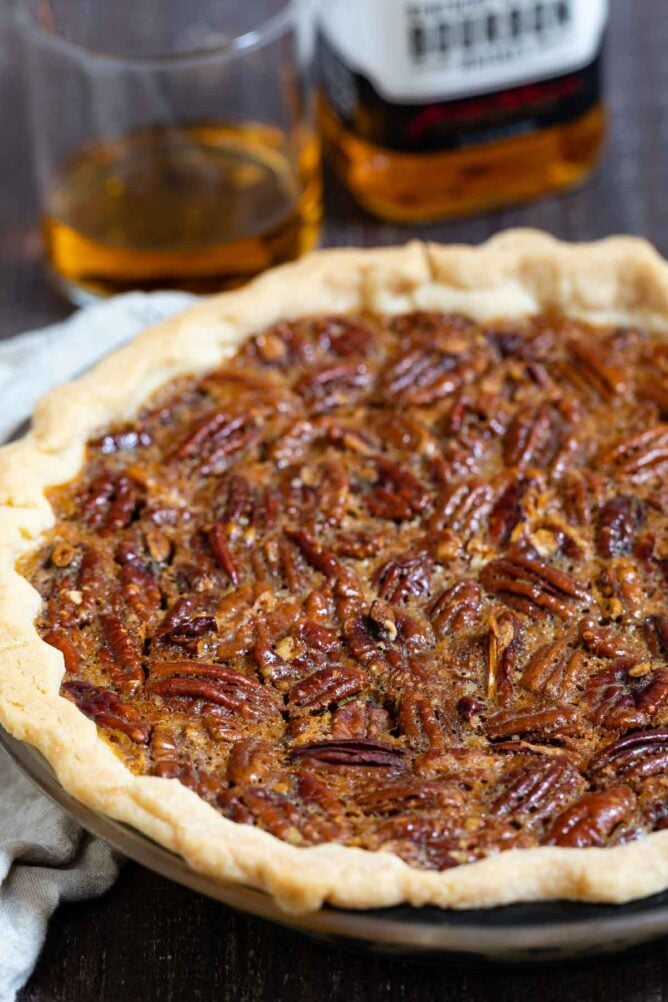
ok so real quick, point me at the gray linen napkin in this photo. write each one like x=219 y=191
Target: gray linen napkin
x=44 y=856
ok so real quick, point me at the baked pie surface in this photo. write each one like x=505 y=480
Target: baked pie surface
x=365 y=589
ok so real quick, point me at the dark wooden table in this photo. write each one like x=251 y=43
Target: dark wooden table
x=150 y=939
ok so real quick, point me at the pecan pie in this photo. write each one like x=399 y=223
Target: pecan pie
x=352 y=585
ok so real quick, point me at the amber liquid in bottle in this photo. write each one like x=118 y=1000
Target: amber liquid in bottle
x=405 y=187
x=435 y=108
x=202 y=207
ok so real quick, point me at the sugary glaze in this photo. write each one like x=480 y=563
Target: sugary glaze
x=396 y=582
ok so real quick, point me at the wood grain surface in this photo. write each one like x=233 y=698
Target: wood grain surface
x=150 y=939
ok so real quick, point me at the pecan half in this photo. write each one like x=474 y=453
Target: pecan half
x=222 y=553
x=504 y=644
x=334 y=386
x=529 y=583
x=61 y=641
x=327 y=686
x=619 y=520
x=605 y=379
x=318 y=556
x=529 y=436
x=123 y=657
x=656 y=635
x=106 y=709
x=356 y=752
x=605 y=641
x=591 y=820
x=212 y=438
x=580 y=494
x=358 y=719
x=407 y=574
x=614 y=697
x=456 y=607
x=250 y=761
x=462 y=508
x=418 y=721
x=405 y=795
x=642 y=457
x=537 y=791
x=552 y=670
x=186 y=621
x=637 y=755
x=211 y=683
x=425 y=371
x=165 y=752
x=507 y=512
x=397 y=495
x=141 y=590
x=110 y=502
x=552 y=720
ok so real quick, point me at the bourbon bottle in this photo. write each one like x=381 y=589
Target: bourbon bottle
x=433 y=108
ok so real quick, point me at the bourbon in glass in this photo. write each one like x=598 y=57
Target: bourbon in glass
x=199 y=207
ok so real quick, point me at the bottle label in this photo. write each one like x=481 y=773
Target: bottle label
x=420 y=75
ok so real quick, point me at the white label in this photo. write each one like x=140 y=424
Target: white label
x=435 y=50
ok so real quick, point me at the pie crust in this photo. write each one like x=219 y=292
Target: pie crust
x=621 y=280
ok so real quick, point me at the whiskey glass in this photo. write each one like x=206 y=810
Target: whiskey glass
x=174 y=142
